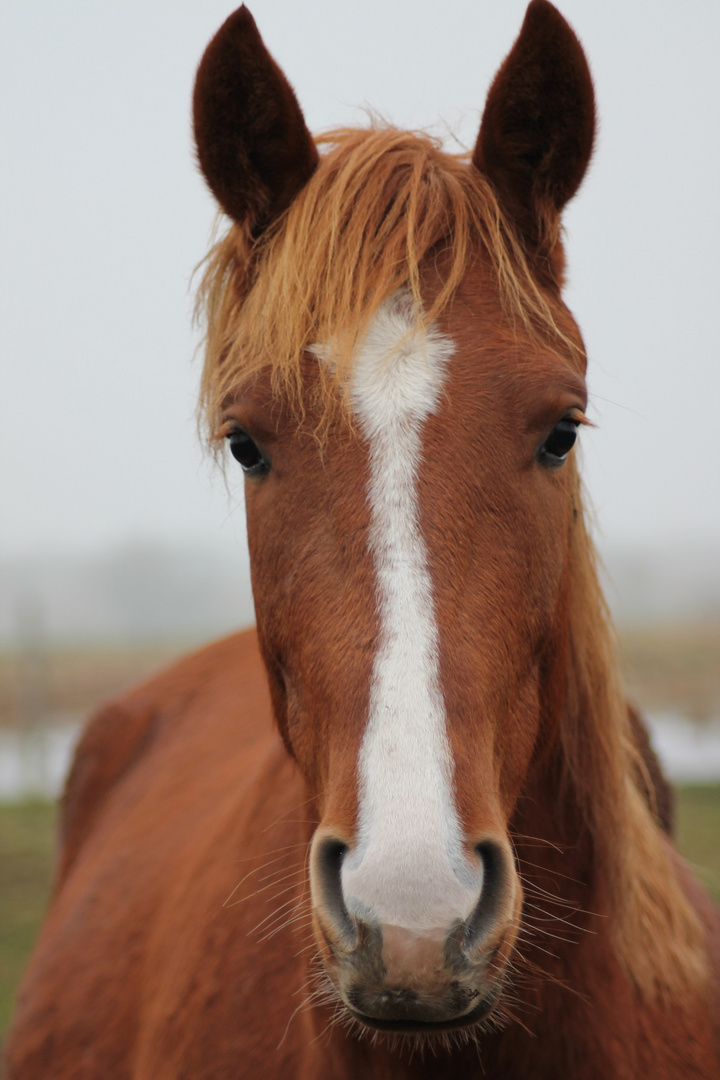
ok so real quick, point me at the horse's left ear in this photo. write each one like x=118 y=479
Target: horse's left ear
x=537 y=130
x=253 y=146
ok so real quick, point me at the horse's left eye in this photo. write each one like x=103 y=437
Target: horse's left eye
x=244 y=450
x=559 y=443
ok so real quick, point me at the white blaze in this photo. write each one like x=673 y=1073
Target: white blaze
x=408 y=867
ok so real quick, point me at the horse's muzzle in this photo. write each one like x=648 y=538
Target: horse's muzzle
x=395 y=978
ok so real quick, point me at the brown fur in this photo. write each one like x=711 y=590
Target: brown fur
x=183 y=939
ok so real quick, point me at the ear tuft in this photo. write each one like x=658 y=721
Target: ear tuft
x=537 y=130
x=254 y=148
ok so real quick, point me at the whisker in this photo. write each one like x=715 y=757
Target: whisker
x=258 y=870
x=291 y=921
x=541 y=840
x=302 y=1005
x=277 y=910
x=289 y=907
x=265 y=888
x=552 y=872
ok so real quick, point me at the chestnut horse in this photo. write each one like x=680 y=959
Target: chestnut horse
x=409 y=827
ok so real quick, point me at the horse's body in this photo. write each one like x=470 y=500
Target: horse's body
x=415 y=806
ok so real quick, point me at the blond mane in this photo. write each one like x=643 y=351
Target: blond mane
x=656 y=931
x=380 y=205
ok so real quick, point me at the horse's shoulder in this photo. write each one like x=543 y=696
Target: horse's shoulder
x=119 y=736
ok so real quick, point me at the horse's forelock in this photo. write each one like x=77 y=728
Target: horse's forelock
x=381 y=207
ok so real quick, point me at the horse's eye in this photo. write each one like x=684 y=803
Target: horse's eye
x=559 y=443
x=244 y=450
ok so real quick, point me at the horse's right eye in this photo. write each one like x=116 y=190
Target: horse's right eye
x=244 y=450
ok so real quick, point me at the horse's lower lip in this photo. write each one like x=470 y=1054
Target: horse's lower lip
x=427 y=1027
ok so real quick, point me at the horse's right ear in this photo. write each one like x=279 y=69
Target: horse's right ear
x=253 y=146
x=538 y=126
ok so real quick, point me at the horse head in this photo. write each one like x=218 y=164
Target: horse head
x=394 y=369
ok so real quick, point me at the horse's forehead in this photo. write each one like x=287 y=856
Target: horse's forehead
x=474 y=366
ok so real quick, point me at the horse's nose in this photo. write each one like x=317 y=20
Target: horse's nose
x=399 y=977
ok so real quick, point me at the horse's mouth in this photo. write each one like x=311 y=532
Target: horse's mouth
x=417 y=1025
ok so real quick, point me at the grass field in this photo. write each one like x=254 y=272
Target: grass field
x=26 y=845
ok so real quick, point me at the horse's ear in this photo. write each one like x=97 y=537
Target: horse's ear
x=537 y=130
x=253 y=146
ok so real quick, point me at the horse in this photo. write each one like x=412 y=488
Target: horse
x=409 y=826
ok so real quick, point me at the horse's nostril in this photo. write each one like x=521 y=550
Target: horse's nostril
x=331 y=853
x=495 y=893
x=328 y=856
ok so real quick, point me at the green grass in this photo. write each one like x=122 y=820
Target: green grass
x=698 y=832
x=27 y=839
x=26 y=851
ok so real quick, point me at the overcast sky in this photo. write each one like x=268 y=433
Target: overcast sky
x=104 y=216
